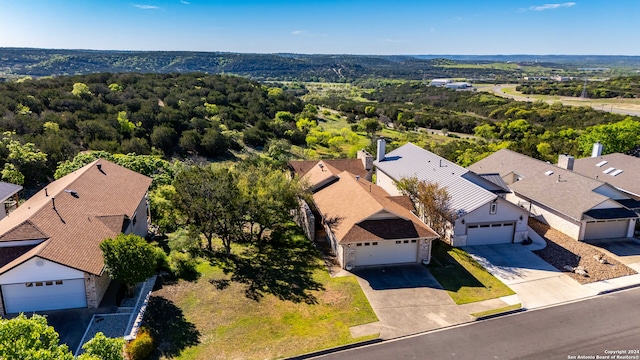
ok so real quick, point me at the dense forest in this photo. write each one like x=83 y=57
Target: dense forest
x=166 y=114
x=624 y=87
x=298 y=67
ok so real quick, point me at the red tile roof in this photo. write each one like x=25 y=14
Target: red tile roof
x=94 y=208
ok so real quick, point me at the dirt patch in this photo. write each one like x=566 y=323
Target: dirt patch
x=562 y=250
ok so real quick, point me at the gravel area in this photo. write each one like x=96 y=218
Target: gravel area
x=562 y=250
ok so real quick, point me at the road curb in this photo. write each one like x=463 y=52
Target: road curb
x=626 y=287
x=336 y=349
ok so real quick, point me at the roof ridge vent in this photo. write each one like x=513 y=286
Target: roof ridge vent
x=602 y=163
x=609 y=170
x=549 y=172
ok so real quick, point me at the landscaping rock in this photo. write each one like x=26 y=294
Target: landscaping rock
x=564 y=252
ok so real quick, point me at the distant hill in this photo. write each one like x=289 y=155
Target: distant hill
x=295 y=67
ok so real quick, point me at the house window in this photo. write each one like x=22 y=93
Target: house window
x=413 y=241
x=494 y=208
x=359 y=244
x=29 y=284
x=374 y=243
x=58 y=282
x=48 y=283
x=367 y=244
x=406 y=241
x=39 y=283
x=398 y=242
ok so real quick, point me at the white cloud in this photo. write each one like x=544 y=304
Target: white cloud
x=185 y=2
x=550 y=6
x=146 y=7
x=306 y=33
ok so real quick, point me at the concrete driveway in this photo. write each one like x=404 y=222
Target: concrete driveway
x=535 y=281
x=407 y=299
x=626 y=250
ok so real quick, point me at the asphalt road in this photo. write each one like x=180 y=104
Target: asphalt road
x=585 y=328
x=498 y=90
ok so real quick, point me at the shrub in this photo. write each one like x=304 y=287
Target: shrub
x=182 y=265
x=141 y=347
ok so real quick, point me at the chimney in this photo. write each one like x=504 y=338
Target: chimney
x=597 y=149
x=367 y=159
x=566 y=161
x=382 y=145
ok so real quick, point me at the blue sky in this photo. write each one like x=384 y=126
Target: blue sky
x=601 y=27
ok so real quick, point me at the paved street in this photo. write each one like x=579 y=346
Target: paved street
x=588 y=327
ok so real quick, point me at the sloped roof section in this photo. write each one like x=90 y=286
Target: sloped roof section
x=319 y=173
x=8 y=189
x=77 y=212
x=359 y=210
x=25 y=231
x=563 y=190
x=627 y=180
x=411 y=160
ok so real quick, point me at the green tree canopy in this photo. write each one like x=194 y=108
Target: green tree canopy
x=432 y=201
x=620 y=136
x=129 y=258
x=103 y=348
x=31 y=338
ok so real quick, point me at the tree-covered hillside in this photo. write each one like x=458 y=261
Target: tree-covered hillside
x=169 y=114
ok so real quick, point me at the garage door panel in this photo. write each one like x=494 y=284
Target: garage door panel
x=386 y=252
x=487 y=234
x=45 y=295
x=606 y=230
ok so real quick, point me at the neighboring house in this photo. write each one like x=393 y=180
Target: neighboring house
x=619 y=170
x=482 y=214
x=459 y=86
x=579 y=206
x=440 y=82
x=364 y=225
x=8 y=190
x=49 y=246
x=319 y=173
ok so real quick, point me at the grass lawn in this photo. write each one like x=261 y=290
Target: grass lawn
x=497 y=311
x=261 y=310
x=463 y=278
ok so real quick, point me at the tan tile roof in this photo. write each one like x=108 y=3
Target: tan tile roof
x=359 y=210
x=563 y=190
x=628 y=180
x=316 y=176
x=100 y=202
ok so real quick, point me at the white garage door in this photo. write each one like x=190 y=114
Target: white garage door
x=386 y=252
x=486 y=234
x=606 y=229
x=44 y=295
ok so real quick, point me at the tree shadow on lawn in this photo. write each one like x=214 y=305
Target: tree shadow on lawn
x=282 y=266
x=169 y=328
x=449 y=273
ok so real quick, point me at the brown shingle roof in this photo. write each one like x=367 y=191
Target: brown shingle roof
x=317 y=176
x=359 y=210
x=25 y=231
x=78 y=223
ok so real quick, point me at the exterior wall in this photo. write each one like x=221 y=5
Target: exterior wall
x=559 y=222
x=306 y=220
x=348 y=256
x=632 y=226
x=505 y=212
x=424 y=251
x=607 y=204
x=38 y=269
x=609 y=191
x=95 y=288
x=386 y=182
x=141 y=226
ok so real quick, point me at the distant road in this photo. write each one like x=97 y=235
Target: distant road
x=588 y=328
x=571 y=101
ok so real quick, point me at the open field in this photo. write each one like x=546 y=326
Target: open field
x=278 y=301
x=615 y=105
